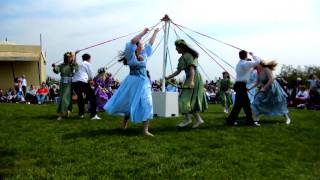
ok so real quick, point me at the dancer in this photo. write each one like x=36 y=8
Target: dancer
x=250 y=83
x=271 y=99
x=81 y=85
x=192 y=98
x=66 y=70
x=243 y=70
x=133 y=98
x=225 y=85
x=108 y=85
x=100 y=90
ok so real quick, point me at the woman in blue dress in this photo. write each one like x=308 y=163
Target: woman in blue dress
x=250 y=83
x=133 y=99
x=271 y=99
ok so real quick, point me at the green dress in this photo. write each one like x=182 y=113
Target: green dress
x=66 y=72
x=191 y=100
x=225 y=94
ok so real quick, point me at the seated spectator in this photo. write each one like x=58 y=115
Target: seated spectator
x=2 y=96
x=42 y=93
x=155 y=86
x=9 y=95
x=172 y=86
x=314 y=100
x=54 y=94
x=17 y=97
x=301 y=97
x=211 y=95
x=31 y=95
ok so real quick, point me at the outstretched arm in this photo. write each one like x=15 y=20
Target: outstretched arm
x=174 y=74
x=254 y=85
x=139 y=36
x=154 y=36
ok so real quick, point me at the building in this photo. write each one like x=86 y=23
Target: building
x=18 y=60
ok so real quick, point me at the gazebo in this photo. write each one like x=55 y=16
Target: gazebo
x=18 y=60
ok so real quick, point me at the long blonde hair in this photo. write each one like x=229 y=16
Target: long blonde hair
x=269 y=64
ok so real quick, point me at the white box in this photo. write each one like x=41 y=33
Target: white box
x=165 y=104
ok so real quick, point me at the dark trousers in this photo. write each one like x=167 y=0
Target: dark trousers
x=81 y=88
x=242 y=101
x=24 y=90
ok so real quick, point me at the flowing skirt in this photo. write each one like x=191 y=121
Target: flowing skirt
x=193 y=100
x=101 y=98
x=271 y=102
x=132 y=98
x=65 y=103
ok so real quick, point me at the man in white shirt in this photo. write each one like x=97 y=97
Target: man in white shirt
x=243 y=69
x=80 y=84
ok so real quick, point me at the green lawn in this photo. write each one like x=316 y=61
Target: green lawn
x=34 y=145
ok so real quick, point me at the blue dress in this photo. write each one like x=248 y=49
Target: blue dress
x=133 y=97
x=250 y=83
x=272 y=101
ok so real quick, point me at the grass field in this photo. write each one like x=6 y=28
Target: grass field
x=34 y=145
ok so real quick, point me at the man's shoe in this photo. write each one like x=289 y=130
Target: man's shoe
x=96 y=117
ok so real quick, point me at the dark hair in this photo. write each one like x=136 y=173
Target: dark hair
x=225 y=72
x=122 y=55
x=122 y=58
x=185 y=48
x=243 y=54
x=86 y=57
x=66 y=57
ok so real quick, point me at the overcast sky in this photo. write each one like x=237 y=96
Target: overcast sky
x=285 y=30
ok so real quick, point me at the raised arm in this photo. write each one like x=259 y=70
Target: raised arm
x=153 y=37
x=254 y=85
x=251 y=64
x=139 y=36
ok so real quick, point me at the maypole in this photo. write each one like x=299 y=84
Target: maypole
x=166 y=20
x=165 y=104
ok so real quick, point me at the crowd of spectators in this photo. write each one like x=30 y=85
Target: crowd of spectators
x=302 y=94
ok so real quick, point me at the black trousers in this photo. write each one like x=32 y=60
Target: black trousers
x=242 y=101
x=81 y=88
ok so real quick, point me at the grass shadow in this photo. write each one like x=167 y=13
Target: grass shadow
x=7 y=159
x=103 y=132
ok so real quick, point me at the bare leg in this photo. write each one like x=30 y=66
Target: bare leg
x=199 y=120
x=288 y=120
x=125 y=122
x=186 y=121
x=68 y=113
x=60 y=117
x=146 y=129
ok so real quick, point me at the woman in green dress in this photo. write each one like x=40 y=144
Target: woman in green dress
x=225 y=85
x=66 y=70
x=192 y=97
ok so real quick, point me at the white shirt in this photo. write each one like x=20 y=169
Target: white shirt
x=84 y=73
x=302 y=94
x=244 y=68
x=24 y=82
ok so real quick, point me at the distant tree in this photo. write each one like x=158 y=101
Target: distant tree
x=290 y=73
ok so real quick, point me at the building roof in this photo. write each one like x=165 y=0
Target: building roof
x=10 y=52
